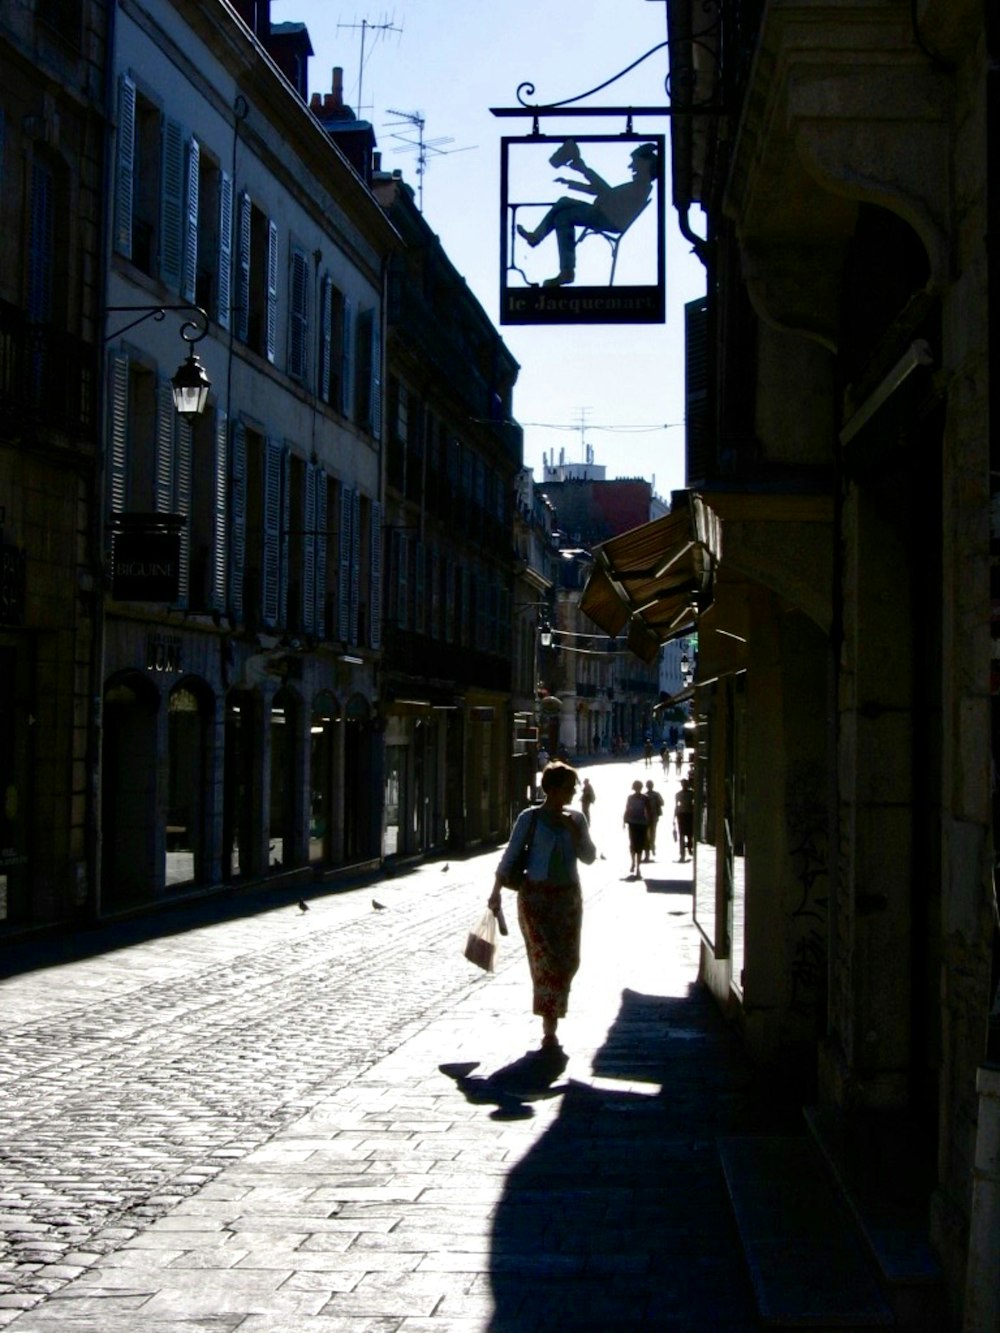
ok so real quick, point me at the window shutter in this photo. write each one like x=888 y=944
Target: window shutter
x=166 y=426
x=219 y=531
x=172 y=206
x=237 y=521
x=376 y=389
x=321 y=549
x=191 y=222
x=402 y=580
x=271 y=558
x=243 y=292
x=118 y=432
x=355 y=563
x=347 y=360
x=3 y=151
x=286 y=512
x=375 y=598
x=309 y=541
x=325 y=337
x=225 y=298
x=298 y=321
x=40 y=245
x=124 y=166
x=344 y=572
x=272 y=290
x=182 y=505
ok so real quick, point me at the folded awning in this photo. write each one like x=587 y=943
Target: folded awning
x=652 y=580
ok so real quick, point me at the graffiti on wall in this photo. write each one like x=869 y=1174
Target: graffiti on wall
x=807 y=822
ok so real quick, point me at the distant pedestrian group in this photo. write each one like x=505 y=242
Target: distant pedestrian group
x=640 y=818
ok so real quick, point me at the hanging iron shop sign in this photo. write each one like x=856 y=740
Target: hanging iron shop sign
x=582 y=230
x=146 y=557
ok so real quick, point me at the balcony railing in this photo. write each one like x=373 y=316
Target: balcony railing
x=47 y=377
x=416 y=655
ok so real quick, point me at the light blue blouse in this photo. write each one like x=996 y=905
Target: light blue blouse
x=549 y=840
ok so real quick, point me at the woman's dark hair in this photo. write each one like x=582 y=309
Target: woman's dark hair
x=558 y=774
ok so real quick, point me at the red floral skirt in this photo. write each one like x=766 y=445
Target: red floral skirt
x=551 y=918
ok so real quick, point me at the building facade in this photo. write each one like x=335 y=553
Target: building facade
x=53 y=95
x=842 y=440
x=240 y=737
x=453 y=452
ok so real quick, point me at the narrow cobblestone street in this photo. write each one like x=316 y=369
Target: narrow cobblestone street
x=288 y=1120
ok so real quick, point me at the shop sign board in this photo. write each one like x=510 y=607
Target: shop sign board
x=582 y=236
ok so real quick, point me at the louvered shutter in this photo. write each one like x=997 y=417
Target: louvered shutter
x=321 y=549
x=166 y=428
x=309 y=541
x=286 y=511
x=125 y=166
x=172 y=206
x=271 y=558
x=191 y=221
x=272 y=291
x=225 y=295
x=325 y=337
x=376 y=390
x=243 y=282
x=344 y=570
x=182 y=505
x=219 y=514
x=118 y=433
x=375 y=599
x=402 y=580
x=298 y=322
x=355 y=563
x=347 y=360
x=237 y=521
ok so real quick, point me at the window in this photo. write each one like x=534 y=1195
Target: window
x=368 y=386
x=257 y=298
x=158 y=180
x=298 y=318
x=212 y=249
x=336 y=359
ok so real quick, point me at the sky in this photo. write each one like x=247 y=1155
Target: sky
x=618 y=389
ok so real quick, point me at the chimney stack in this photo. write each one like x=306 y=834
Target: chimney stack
x=338 y=86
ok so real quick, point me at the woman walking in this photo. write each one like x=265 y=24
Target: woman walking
x=636 y=820
x=549 y=903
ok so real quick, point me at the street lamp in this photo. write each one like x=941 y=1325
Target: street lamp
x=190 y=384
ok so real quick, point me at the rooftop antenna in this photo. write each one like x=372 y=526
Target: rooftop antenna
x=386 y=25
x=423 y=146
x=586 y=450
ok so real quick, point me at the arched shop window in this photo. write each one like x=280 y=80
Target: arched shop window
x=184 y=841
x=322 y=792
x=285 y=714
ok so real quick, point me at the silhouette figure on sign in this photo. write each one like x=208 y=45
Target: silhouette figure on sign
x=614 y=209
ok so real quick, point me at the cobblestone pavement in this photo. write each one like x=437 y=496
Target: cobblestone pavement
x=331 y=1093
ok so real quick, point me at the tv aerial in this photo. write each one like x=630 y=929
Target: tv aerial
x=384 y=25
x=424 y=147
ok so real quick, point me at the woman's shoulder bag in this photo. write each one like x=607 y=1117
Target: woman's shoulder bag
x=515 y=877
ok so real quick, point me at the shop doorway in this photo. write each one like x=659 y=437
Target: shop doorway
x=188 y=709
x=322 y=777
x=130 y=864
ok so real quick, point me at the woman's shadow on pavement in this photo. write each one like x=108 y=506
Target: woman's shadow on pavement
x=531 y=1078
